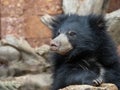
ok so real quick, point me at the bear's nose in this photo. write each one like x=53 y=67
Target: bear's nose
x=54 y=45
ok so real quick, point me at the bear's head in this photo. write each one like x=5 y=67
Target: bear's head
x=73 y=34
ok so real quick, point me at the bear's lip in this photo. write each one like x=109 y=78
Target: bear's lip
x=54 y=48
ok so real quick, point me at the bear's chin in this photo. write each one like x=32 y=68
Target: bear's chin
x=60 y=51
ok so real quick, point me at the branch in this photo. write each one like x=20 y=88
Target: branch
x=113 y=17
x=80 y=7
x=84 y=7
x=113 y=23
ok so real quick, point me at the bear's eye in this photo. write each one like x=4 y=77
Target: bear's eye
x=71 y=33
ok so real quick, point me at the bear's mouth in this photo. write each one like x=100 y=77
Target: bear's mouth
x=60 y=50
x=54 y=47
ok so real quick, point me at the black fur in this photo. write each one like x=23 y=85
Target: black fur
x=92 y=49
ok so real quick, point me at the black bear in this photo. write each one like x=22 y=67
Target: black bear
x=83 y=51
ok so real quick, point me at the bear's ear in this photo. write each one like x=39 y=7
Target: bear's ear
x=53 y=22
x=97 y=22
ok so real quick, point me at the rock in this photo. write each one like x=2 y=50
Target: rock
x=114 y=28
x=113 y=24
x=88 y=87
x=30 y=86
x=8 y=54
x=42 y=50
x=37 y=82
x=43 y=79
x=41 y=34
x=17 y=57
x=3 y=71
x=21 y=18
x=43 y=6
x=28 y=53
x=27 y=82
x=18 y=43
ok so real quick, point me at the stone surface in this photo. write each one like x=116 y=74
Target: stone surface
x=41 y=7
x=12 y=25
x=39 y=34
x=87 y=87
x=12 y=20
x=43 y=50
x=27 y=82
x=113 y=23
x=17 y=57
x=22 y=18
x=36 y=32
x=115 y=31
x=8 y=54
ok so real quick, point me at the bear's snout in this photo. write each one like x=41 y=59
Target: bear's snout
x=60 y=44
x=54 y=45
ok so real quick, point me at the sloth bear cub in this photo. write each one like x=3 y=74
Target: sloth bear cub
x=83 y=51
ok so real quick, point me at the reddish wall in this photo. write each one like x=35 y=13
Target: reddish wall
x=22 y=18
x=114 y=5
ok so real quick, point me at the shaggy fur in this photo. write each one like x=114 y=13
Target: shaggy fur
x=92 y=51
